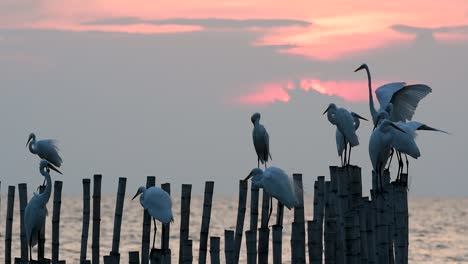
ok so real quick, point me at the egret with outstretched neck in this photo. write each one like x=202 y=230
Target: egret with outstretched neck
x=36 y=210
x=261 y=140
x=157 y=203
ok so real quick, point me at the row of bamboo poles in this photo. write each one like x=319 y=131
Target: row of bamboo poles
x=346 y=227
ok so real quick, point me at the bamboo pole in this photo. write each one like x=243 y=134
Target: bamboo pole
x=401 y=223
x=371 y=231
x=41 y=240
x=184 y=218
x=314 y=235
x=214 y=250
x=330 y=224
x=229 y=246
x=146 y=231
x=188 y=257
x=23 y=198
x=363 y=211
x=97 y=178
x=352 y=244
x=9 y=223
x=251 y=235
x=381 y=229
x=299 y=248
x=133 y=257
x=251 y=245
x=319 y=209
x=56 y=221
x=264 y=231
x=85 y=228
x=339 y=193
x=240 y=219
x=165 y=233
x=205 y=224
x=277 y=243
x=114 y=254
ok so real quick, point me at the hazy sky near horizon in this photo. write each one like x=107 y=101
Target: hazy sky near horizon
x=167 y=88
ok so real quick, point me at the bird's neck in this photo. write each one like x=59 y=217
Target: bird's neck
x=46 y=194
x=371 y=98
x=142 y=199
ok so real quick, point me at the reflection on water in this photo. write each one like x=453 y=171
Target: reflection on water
x=438 y=228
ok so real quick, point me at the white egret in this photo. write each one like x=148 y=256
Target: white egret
x=261 y=140
x=46 y=149
x=36 y=210
x=277 y=184
x=380 y=144
x=157 y=203
x=341 y=142
x=405 y=98
x=344 y=122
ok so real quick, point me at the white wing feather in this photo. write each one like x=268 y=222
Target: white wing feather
x=406 y=100
x=48 y=149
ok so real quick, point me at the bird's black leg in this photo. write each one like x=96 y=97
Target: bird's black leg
x=407 y=164
x=271 y=209
x=400 y=165
x=349 y=156
x=258 y=162
x=341 y=158
x=154 y=235
x=30 y=249
x=391 y=157
x=345 y=150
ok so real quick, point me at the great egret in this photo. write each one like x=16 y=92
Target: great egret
x=341 y=142
x=36 y=210
x=158 y=204
x=405 y=98
x=380 y=144
x=277 y=184
x=46 y=149
x=344 y=121
x=261 y=140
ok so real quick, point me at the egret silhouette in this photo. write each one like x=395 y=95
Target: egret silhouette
x=261 y=140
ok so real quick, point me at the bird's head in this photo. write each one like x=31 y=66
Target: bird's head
x=141 y=190
x=31 y=137
x=255 y=117
x=45 y=165
x=256 y=174
x=363 y=66
x=331 y=107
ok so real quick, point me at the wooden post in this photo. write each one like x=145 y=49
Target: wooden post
x=240 y=219
x=401 y=223
x=114 y=254
x=188 y=257
x=264 y=231
x=251 y=235
x=251 y=245
x=229 y=246
x=277 y=243
x=165 y=233
x=133 y=257
x=146 y=231
x=330 y=224
x=299 y=248
x=314 y=235
x=214 y=250
x=351 y=237
x=184 y=218
x=381 y=229
x=41 y=240
x=23 y=197
x=56 y=221
x=339 y=193
x=85 y=228
x=97 y=178
x=9 y=223
x=371 y=231
x=363 y=229
x=205 y=224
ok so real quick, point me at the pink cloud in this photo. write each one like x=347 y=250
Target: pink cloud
x=268 y=93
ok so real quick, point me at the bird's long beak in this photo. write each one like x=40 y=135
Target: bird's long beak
x=360 y=68
x=55 y=169
x=248 y=177
x=360 y=117
x=138 y=193
x=29 y=139
x=328 y=108
x=397 y=127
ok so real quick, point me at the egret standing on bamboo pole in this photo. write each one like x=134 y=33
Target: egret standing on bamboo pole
x=277 y=184
x=158 y=204
x=345 y=123
x=261 y=140
x=46 y=149
x=405 y=98
x=36 y=211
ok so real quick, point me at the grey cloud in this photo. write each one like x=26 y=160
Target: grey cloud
x=427 y=33
x=205 y=22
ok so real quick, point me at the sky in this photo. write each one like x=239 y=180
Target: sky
x=167 y=88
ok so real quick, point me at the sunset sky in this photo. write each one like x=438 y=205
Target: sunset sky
x=132 y=88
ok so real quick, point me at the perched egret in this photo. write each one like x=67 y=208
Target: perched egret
x=405 y=98
x=345 y=123
x=261 y=140
x=46 y=149
x=341 y=142
x=157 y=203
x=277 y=184
x=36 y=210
x=380 y=144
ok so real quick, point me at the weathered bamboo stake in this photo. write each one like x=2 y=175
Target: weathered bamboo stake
x=23 y=198
x=184 y=218
x=401 y=223
x=9 y=223
x=229 y=246
x=56 y=221
x=363 y=229
x=114 y=254
x=146 y=231
x=85 y=228
x=371 y=231
x=277 y=231
x=354 y=186
x=205 y=224
x=351 y=235
x=251 y=245
x=314 y=235
x=41 y=240
x=319 y=209
x=188 y=257
x=330 y=224
x=338 y=192
x=299 y=248
x=240 y=219
x=264 y=231
x=133 y=257
x=97 y=178
x=382 y=229
x=165 y=232
x=214 y=250
x=295 y=242
x=388 y=210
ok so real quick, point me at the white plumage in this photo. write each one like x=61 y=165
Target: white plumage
x=261 y=140
x=405 y=98
x=340 y=140
x=46 y=149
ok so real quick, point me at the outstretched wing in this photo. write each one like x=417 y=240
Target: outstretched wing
x=48 y=149
x=406 y=100
x=385 y=93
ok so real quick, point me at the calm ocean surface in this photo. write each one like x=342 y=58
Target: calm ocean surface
x=438 y=228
